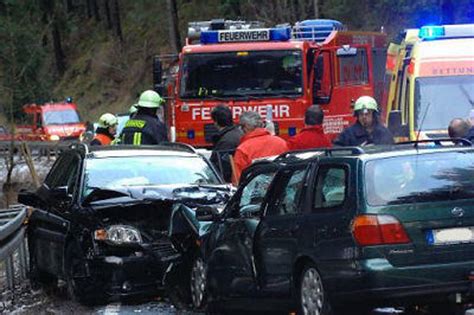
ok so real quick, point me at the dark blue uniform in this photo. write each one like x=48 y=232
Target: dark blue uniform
x=143 y=129
x=356 y=135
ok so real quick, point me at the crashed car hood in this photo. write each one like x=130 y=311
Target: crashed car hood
x=189 y=193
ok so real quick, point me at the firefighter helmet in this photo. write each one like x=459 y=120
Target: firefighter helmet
x=365 y=103
x=108 y=120
x=133 y=109
x=150 y=99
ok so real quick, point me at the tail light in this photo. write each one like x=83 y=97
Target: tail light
x=378 y=230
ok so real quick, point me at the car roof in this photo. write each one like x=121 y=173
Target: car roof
x=166 y=149
x=366 y=153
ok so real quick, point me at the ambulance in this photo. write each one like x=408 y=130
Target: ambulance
x=431 y=80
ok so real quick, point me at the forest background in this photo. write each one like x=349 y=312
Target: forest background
x=100 y=52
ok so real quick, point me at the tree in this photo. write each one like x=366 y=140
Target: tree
x=116 y=22
x=175 y=38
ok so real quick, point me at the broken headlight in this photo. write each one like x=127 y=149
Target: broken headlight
x=118 y=235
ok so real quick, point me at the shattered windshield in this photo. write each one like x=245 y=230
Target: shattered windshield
x=242 y=73
x=421 y=178
x=122 y=172
x=440 y=99
x=60 y=117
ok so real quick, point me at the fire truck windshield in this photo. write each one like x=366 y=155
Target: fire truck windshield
x=60 y=117
x=242 y=74
x=440 y=99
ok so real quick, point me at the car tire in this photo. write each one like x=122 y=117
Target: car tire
x=198 y=283
x=84 y=290
x=312 y=297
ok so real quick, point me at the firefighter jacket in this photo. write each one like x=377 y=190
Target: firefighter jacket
x=102 y=137
x=357 y=135
x=225 y=143
x=256 y=144
x=143 y=130
x=308 y=138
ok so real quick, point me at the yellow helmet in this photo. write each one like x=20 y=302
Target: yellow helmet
x=108 y=120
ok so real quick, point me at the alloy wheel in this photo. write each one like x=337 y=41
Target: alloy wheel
x=312 y=297
x=198 y=282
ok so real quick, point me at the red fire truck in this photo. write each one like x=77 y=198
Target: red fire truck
x=249 y=67
x=50 y=122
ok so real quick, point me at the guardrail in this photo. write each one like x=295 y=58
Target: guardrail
x=37 y=148
x=12 y=240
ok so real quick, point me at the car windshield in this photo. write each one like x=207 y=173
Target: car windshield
x=119 y=172
x=420 y=178
x=242 y=73
x=440 y=99
x=60 y=117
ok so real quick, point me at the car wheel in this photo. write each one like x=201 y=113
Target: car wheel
x=313 y=299
x=198 y=283
x=85 y=290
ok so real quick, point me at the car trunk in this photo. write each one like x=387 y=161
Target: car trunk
x=439 y=233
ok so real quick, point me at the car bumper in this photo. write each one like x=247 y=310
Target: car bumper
x=377 y=279
x=132 y=275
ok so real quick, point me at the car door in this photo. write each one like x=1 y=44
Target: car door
x=324 y=232
x=49 y=226
x=231 y=268
x=275 y=239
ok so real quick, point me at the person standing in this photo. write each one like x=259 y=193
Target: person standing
x=145 y=128
x=106 y=130
x=225 y=141
x=312 y=135
x=257 y=142
x=367 y=129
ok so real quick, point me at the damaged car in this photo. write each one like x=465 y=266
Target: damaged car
x=101 y=219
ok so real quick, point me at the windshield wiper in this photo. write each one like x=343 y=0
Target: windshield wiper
x=99 y=193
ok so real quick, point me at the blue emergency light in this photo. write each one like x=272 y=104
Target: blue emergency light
x=431 y=32
x=246 y=35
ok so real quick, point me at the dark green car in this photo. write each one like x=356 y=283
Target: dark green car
x=340 y=229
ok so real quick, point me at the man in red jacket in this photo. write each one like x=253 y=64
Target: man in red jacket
x=312 y=135
x=257 y=142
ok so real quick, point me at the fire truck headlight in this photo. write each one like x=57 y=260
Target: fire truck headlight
x=54 y=138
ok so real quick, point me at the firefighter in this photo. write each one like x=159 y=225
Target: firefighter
x=312 y=135
x=106 y=130
x=133 y=110
x=256 y=143
x=367 y=130
x=144 y=127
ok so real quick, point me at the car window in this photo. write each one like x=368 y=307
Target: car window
x=255 y=190
x=62 y=171
x=117 y=172
x=287 y=203
x=331 y=187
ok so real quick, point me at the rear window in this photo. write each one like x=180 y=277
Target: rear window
x=420 y=178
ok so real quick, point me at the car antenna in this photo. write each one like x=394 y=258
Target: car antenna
x=421 y=125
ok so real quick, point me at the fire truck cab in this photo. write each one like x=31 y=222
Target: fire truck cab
x=431 y=73
x=285 y=69
x=50 y=122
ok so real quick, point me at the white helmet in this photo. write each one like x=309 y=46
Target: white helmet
x=108 y=120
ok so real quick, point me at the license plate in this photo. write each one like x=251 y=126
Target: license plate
x=450 y=236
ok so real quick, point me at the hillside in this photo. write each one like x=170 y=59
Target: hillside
x=103 y=73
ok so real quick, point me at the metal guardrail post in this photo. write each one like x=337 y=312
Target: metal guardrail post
x=23 y=259
x=10 y=272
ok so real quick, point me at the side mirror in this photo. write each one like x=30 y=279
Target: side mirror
x=60 y=194
x=158 y=76
x=207 y=213
x=29 y=198
x=395 y=124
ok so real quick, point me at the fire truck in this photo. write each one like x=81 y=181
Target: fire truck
x=431 y=80
x=281 y=70
x=50 y=122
